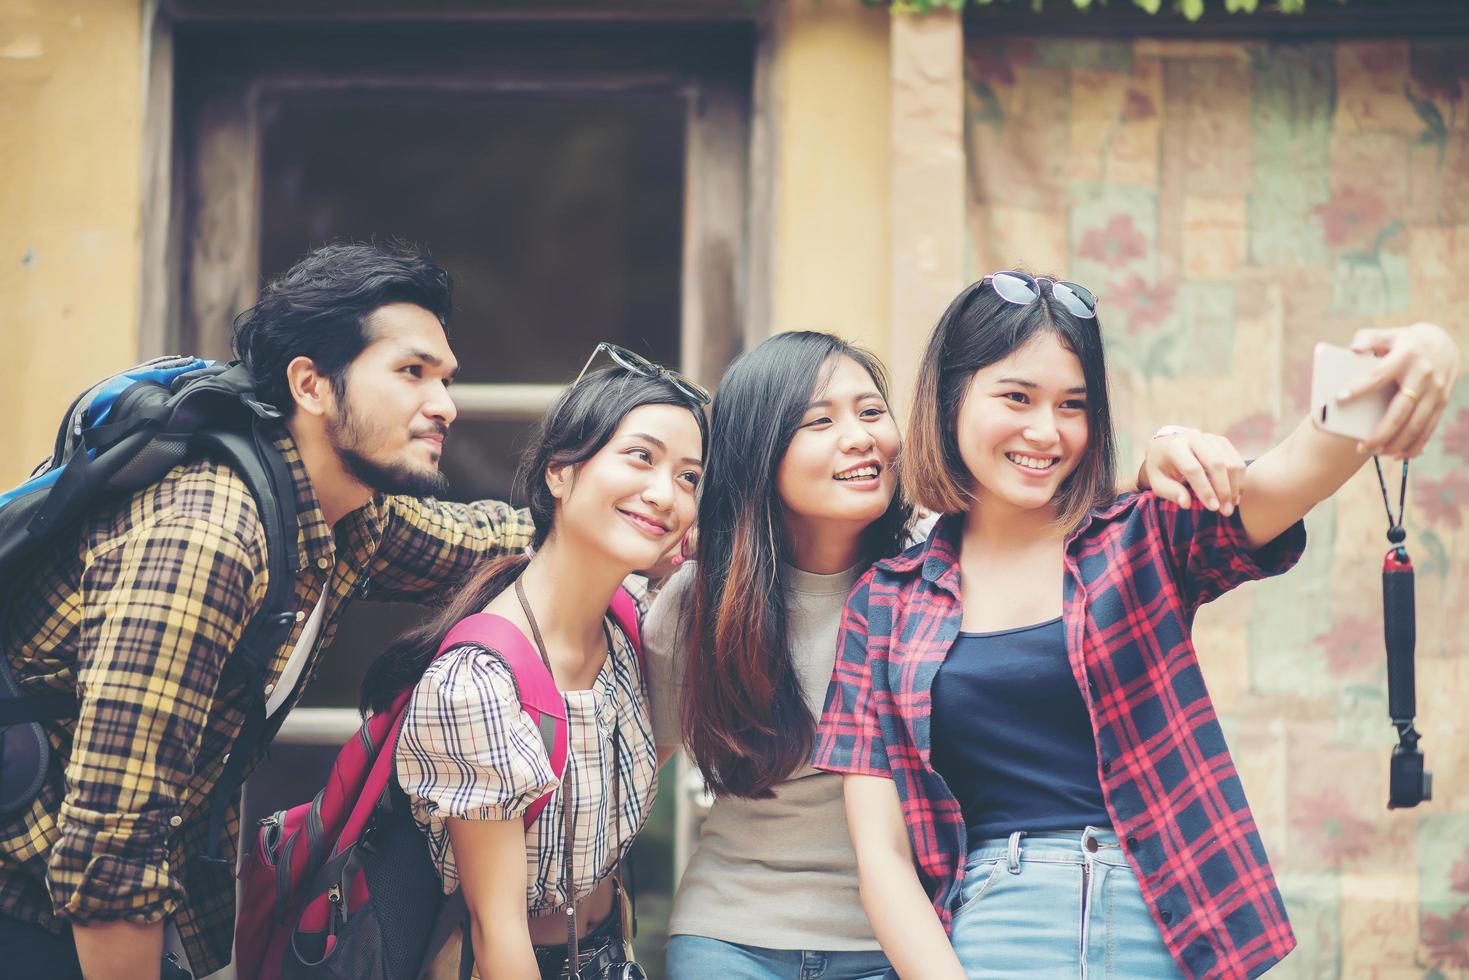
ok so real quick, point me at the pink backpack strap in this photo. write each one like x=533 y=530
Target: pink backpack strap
x=538 y=694
x=624 y=611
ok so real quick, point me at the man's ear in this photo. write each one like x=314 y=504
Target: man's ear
x=558 y=480
x=310 y=389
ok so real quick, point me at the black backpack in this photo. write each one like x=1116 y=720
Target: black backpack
x=123 y=433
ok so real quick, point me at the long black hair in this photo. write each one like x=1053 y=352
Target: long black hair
x=743 y=718
x=577 y=426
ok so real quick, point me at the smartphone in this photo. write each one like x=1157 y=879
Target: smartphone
x=1333 y=369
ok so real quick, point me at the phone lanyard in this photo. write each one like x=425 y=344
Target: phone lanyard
x=1409 y=783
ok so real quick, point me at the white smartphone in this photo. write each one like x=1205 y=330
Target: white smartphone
x=1333 y=369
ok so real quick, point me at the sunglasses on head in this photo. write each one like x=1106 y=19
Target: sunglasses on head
x=1022 y=290
x=640 y=365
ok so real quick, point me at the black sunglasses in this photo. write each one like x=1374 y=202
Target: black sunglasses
x=638 y=364
x=1022 y=290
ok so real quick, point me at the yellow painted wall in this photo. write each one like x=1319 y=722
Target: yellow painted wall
x=71 y=98
x=830 y=102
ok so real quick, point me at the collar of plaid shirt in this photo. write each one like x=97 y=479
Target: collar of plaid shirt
x=1135 y=574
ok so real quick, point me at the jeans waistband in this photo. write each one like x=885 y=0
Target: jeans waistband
x=1047 y=845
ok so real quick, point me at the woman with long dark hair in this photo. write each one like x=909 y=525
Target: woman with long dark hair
x=1035 y=780
x=800 y=496
x=610 y=480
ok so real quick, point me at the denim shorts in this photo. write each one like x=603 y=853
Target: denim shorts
x=1058 y=904
x=701 y=958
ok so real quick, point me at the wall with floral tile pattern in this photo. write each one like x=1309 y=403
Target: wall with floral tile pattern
x=1232 y=203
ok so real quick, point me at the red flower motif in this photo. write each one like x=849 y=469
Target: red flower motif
x=1144 y=306
x=1447 y=939
x=1352 y=218
x=1437 y=71
x=1456 y=436
x=1441 y=501
x=1138 y=107
x=1459 y=877
x=1328 y=821
x=1253 y=432
x=1352 y=642
x=996 y=62
x=1115 y=245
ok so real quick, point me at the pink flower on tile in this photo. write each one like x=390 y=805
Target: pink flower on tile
x=1138 y=107
x=1352 y=642
x=1378 y=58
x=1144 y=306
x=1438 y=72
x=1115 y=245
x=1441 y=501
x=1447 y=939
x=1352 y=218
x=1459 y=876
x=1253 y=433
x=1335 y=831
x=995 y=62
x=1456 y=436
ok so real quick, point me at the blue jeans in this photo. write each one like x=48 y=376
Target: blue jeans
x=1059 y=904
x=701 y=958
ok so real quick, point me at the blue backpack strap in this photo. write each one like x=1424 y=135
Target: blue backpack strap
x=126 y=432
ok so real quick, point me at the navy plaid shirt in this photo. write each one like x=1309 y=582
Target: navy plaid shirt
x=1135 y=574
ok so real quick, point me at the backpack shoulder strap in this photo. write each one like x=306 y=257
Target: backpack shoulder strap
x=537 y=688
x=624 y=611
x=260 y=465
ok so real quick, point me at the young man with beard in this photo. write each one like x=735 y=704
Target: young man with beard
x=140 y=616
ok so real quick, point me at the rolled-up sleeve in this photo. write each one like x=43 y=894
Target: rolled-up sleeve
x=849 y=737
x=1211 y=554
x=162 y=610
x=467 y=749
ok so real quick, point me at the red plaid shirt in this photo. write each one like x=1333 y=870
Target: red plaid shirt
x=1136 y=573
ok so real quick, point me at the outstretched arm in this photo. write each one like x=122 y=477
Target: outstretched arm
x=1310 y=465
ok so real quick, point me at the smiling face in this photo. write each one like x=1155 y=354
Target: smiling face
x=634 y=498
x=838 y=468
x=1022 y=428
x=388 y=427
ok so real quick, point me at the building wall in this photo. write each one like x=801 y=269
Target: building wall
x=70 y=191
x=1231 y=204
x=830 y=108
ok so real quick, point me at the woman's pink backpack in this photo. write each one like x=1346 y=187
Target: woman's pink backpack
x=343 y=886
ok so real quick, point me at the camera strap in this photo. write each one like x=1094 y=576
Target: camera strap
x=1409 y=783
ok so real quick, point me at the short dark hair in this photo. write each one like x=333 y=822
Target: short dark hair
x=743 y=716
x=320 y=308
x=979 y=329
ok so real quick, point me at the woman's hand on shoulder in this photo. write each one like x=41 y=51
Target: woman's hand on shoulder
x=1181 y=463
x=1423 y=362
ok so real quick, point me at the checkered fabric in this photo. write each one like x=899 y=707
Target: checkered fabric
x=467 y=750
x=138 y=618
x=1135 y=574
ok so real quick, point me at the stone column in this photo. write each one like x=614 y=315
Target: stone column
x=926 y=200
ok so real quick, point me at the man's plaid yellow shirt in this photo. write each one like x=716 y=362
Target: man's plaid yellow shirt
x=138 y=618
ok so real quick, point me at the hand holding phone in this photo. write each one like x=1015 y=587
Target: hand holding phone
x=1335 y=370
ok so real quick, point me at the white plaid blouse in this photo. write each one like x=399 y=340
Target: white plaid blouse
x=467 y=750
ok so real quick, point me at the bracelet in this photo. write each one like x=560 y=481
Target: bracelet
x=1170 y=430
